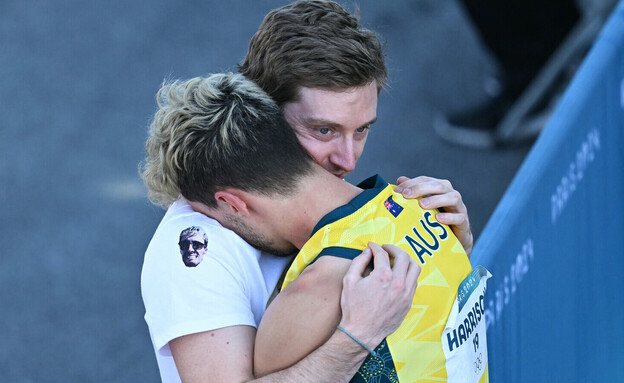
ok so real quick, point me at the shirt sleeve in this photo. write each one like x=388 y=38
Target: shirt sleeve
x=181 y=300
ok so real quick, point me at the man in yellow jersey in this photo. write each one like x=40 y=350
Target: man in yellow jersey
x=286 y=201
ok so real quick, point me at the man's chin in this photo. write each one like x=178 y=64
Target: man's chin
x=287 y=254
x=277 y=252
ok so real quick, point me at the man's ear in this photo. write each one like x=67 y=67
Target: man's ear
x=233 y=200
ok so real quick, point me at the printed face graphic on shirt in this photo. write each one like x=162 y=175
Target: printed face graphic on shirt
x=193 y=245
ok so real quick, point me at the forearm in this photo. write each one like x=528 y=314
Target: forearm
x=226 y=355
x=337 y=360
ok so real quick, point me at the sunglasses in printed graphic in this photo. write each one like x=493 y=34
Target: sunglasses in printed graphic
x=196 y=244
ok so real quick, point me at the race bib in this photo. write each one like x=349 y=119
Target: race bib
x=464 y=340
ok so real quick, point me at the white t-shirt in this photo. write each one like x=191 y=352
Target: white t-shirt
x=228 y=286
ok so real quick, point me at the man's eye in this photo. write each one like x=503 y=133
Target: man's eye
x=362 y=129
x=324 y=130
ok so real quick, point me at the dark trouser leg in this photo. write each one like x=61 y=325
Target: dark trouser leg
x=522 y=34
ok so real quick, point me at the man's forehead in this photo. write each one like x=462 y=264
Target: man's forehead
x=322 y=106
x=319 y=94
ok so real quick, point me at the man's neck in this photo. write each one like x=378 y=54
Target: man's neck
x=318 y=195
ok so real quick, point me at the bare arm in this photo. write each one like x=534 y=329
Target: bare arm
x=307 y=312
x=439 y=194
x=225 y=355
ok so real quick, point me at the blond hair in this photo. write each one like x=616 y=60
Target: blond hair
x=212 y=132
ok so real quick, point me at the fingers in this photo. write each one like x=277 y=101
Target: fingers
x=400 y=258
x=436 y=193
x=452 y=219
x=419 y=179
x=382 y=260
x=460 y=225
x=359 y=264
x=405 y=267
x=440 y=194
x=374 y=306
x=401 y=179
x=422 y=186
x=401 y=271
x=413 y=272
x=451 y=201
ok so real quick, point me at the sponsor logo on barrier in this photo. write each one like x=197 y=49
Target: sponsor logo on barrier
x=510 y=282
x=585 y=155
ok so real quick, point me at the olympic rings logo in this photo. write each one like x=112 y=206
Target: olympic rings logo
x=478 y=364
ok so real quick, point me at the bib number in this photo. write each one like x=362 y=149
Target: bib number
x=464 y=338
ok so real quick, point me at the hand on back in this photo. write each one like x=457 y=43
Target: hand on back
x=440 y=194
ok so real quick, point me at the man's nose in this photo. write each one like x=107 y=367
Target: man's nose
x=344 y=156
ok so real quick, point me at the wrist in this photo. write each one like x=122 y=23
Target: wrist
x=356 y=340
x=359 y=335
x=349 y=348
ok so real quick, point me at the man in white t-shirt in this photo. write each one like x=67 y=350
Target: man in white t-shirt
x=325 y=71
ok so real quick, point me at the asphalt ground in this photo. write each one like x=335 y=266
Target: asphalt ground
x=78 y=85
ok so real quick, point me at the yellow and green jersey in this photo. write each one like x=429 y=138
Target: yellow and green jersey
x=413 y=353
